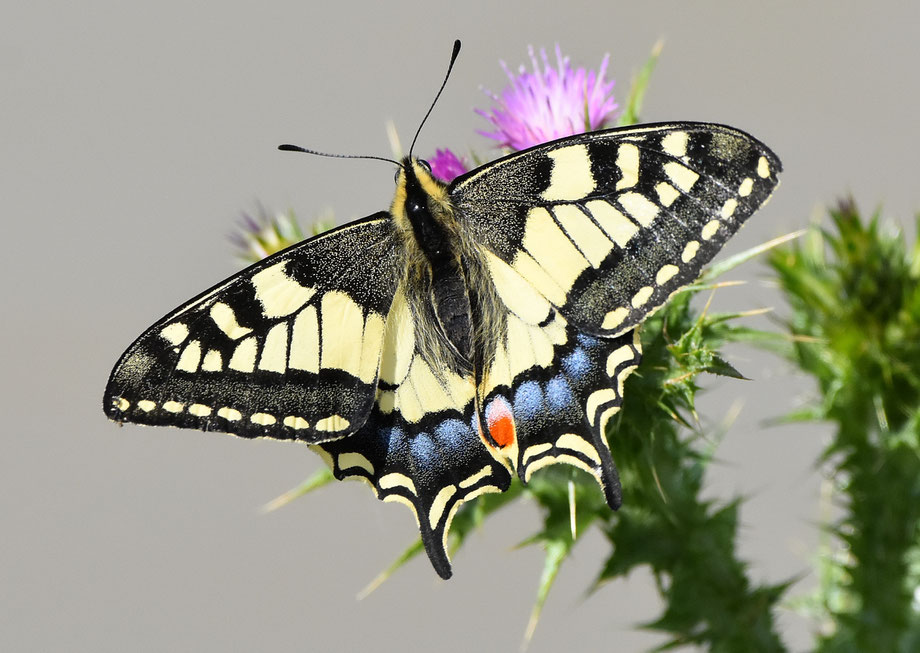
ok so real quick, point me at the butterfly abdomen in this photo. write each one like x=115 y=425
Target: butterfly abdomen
x=436 y=272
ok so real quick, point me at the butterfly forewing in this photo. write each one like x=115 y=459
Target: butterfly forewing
x=288 y=348
x=607 y=225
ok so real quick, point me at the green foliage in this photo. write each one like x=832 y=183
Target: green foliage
x=688 y=543
x=855 y=299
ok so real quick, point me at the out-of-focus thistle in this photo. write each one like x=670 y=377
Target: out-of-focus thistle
x=266 y=233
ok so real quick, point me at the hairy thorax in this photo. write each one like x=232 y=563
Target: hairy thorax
x=447 y=284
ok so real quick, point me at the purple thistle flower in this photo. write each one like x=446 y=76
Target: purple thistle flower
x=551 y=103
x=446 y=166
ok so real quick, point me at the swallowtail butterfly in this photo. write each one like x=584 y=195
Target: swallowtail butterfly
x=475 y=329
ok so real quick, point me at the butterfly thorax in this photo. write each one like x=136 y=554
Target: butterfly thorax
x=442 y=269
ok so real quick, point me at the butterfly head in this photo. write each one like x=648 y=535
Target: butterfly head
x=420 y=197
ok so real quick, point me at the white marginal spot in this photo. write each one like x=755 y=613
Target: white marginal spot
x=710 y=229
x=570 y=177
x=439 y=503
x=295 y=422
x=598 y=398
x=225 y=319
x=617 y=357
x=675 y=143
x=146 y=405
x=642 y=209
x=191 y=356
x=682 y=176
x=199 y=410
x=666 y=273
x=230 y=414
x=123 y=404
x=575 y=443
x=728 y=209
x=244 y=356
x=398 y=498
x=470 y=481
x=274 y=351
x=642 y=296
x=332 y=423
x=666 y=193
x=763 y=167
x=604 y=418
x=551 y=249
x=342 y=330
x=395 y=479
x=746 y=187
x=586 y=235
x=628 y=163
x=212 y=361
x=263 y=419
x=561 y=458
x=175 y=333
x=621 y=378
x=620 y=228
x=279 y=295
x=348 y=460
x=305 y=341
x=690 y=251
x=614 y=318
x=535 y=450
x=173 y=407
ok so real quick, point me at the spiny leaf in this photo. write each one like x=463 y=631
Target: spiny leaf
x=411 y=551
x=556 y=553
x=320 y=478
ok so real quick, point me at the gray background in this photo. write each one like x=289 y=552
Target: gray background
x=132 y=135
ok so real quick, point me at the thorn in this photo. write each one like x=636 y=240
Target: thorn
x=573 y=521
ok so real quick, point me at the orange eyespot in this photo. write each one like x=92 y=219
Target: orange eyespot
x=500 y=422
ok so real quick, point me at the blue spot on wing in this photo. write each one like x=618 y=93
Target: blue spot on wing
x=528 y=400
x=394 y=439
x=559 y=394
x=577 y=363
x=452 y=433
x=422 y=447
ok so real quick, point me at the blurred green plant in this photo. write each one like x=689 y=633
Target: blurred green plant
x=854 y=294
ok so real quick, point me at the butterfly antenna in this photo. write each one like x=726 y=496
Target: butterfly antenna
x=453 y=58
x=287 y=147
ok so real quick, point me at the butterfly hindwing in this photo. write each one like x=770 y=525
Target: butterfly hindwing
x=288 y=348
x=550 y=390
x=421 y=444
x=606 y=225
